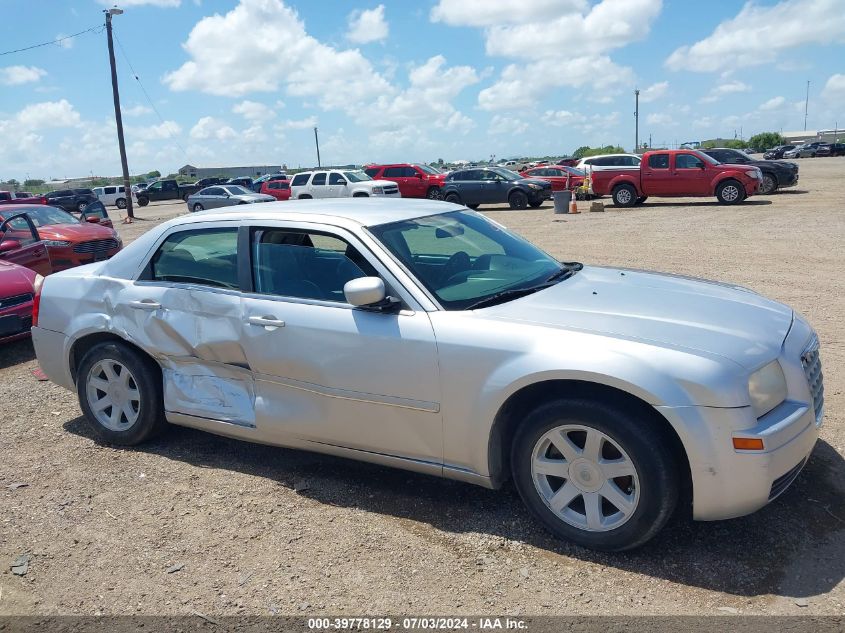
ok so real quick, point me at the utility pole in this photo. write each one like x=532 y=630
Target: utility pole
x=806 y=105
x=317 y=142
x=636 y=119
x=118 y=118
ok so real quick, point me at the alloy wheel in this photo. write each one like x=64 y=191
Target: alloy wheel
x=113 y=395
x=730 y=193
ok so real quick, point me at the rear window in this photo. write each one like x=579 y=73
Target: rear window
x=299 y=180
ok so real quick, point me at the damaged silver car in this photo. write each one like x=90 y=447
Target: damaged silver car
x=423 y=335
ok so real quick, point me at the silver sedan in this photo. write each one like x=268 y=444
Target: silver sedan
x=224 y=196
x=422 y=335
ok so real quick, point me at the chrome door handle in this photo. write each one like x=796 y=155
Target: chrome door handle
x=266 y=321
x=145 y=304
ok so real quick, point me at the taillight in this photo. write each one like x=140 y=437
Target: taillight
x=37 y=285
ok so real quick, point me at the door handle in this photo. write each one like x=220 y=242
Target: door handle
x=145 y=304
x=265 y=321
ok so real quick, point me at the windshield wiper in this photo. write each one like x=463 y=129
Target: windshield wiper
x=499 y=297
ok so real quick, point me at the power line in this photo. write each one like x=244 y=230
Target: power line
x=144 y=90
x=98 y=29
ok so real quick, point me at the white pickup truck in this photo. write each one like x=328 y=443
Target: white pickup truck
x=339 y=183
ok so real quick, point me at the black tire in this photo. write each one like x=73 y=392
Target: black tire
x=81 y=206
x=147 y=379
x=518 y=200
x=185 y=197
x=769 y=184
x=120 y=203
x=360 y=195
x=624 y=195
x=453 y=198
x=639 y=436
x=197 y=207
x=143 y=201
x=535 y=204
x=642 y=199
x=730 y=192
x=434 y=193
x=305 y=196
x=473 y=206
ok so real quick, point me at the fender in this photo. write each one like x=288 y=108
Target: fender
x=740 y=175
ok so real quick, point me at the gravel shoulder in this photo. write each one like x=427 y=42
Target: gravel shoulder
x=194 y=522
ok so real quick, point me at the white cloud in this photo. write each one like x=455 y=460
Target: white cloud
x=654 y=92
x=253 y=111
x=161 y=131
x=580 y=122
x=210 y=128
x=760 y=32
x=367 y=26
x=661 y=119
x=507 y=125
x=300 y=124
x=16 y=75
x=66 y=43
x=47 y=114
x=729 y=87
x=772 y=104
x=136 y=110
x=834 y=89
x=481 y=13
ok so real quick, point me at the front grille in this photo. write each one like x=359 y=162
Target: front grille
x=95 y=246
x=812 y=364
x=15 y=301
x=782 y=483
x=391 y=189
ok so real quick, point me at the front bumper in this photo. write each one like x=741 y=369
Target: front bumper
x=15 y=322
x=63 y=257
x=728 y=483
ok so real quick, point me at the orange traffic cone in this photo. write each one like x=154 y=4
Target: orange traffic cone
x=573 y=204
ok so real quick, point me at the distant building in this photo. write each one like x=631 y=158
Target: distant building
x=254 y=171
x=808 y=136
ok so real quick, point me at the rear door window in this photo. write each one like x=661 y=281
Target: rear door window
x=207 y=257
x=371 y=171
x=319 y=179
x=394 y=172
x=658 y=161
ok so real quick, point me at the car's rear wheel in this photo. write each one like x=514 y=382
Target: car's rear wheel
x=536 y=204
x=624 y=196
x=730 y=192
x=120 y=203
x=198 y=207
x=595 y=474
x=518 y=200
x=81 y=206
x=120 y=394
x=434 y=193
x=768 y=185
x=453 y=198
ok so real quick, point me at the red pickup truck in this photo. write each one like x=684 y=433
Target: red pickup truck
x=677 y=173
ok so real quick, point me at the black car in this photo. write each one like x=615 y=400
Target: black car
x=71 y=200
x=831 y=149
x=202 y=183
x=243 y=182
x=495 y=185
x=777 y=152
x=776 y=173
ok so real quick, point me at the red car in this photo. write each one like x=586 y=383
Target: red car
x=70 y=242
x=8 y=197
x=415 y=181
x=279 y=189
x=562 y=178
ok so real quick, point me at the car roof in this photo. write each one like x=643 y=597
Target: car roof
x=369 y=212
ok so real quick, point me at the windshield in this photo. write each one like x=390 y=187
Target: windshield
x=356 y=176
x=507 y=174
x=428 y=170
x=236 y=190
x=463 y=258
x=706 y=158
x=43 y=215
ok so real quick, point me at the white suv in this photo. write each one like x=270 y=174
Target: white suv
x=609 y=161
x=339 y=183
x=112 y=196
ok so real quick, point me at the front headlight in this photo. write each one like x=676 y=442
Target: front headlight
x=56 y=243
x=378 y=189
x=534 y=185
x=767 y=388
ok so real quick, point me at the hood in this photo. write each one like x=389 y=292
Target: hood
x=667 y=310
x=378 y=183
x=536 y=181
x=75 y=232
x=774 y=164
x=15 y=280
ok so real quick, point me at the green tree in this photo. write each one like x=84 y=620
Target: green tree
x=32 y=182
x=766 y=140
x=154 y=174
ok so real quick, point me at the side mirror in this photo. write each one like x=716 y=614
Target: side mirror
x=9 y=245
x=364 y=291
x=419 y=175
x=702 y=166
x=93 y=219
x=342 y=183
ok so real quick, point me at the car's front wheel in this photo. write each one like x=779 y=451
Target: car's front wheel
x=518 y=200
x=597 y=475
x=143 y=201
x=197 y=207
x=730 y=192
x=120 y=394
x=768 y=184
x=434 y=193
x=81 y=206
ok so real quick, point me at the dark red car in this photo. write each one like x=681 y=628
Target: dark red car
x=561 y=177
x=70 y=242
x=279 y=189
x=414 y=180
x=9 y=197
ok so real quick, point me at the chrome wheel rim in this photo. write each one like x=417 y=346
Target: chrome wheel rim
x=197 y=207
x=623 y=196
x=768 y=184
x=435 y=194
x=585 y=478
x=113 y=395
x=730 y=193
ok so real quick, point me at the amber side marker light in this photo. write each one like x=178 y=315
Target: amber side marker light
x=748 y=444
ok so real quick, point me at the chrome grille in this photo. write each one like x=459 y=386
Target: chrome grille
x=95 y=246
x=391 y=189
x=812 y=364
x=17 y=300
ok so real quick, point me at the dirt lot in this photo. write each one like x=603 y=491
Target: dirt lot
x=194 y=522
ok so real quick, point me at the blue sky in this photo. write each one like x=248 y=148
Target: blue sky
x=244 y=82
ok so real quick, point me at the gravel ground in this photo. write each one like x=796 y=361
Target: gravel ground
x=197 y=523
